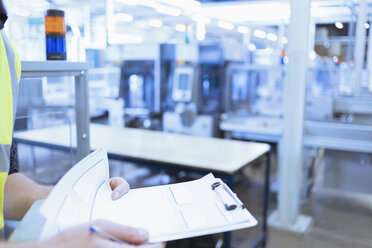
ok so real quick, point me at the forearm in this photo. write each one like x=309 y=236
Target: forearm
x=20 y=193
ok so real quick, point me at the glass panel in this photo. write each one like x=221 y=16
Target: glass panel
x=44 y=145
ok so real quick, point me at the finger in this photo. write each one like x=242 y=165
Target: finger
x=125 y=233
x=119 y=187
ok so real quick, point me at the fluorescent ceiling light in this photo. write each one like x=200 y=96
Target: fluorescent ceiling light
x=155 y=23
x=180 y=27
x=201 y=19
x=272 y=37
x=259 y=34
x=284 y=40
x=122 y=17
x=339 y=25
x=225 y=25
x=243 y=29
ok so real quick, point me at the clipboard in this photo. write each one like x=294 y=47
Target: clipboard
x=168 y=212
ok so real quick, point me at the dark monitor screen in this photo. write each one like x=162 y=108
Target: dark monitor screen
x=183 y=81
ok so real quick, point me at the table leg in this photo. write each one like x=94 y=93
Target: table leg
x=266 y=198
x=226 y=240
x=229 y=180
x=262 y=238
x=82 y=116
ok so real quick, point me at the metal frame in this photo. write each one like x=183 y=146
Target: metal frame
x=36 y=69
x=290 y=155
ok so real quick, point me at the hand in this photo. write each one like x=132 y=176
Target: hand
x=119 y=187
x=80 y=236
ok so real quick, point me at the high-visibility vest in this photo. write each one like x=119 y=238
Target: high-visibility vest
x=10 y=73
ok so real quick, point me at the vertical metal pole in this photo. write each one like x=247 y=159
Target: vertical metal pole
x=350 y=35
x=157 y=83
x=291 y=152
x=82 y=116
x=266 y=197
x=360 y=45
x=369 y=52
x=229 y=180
x=110 y=22
x=369 y=61
x=262 y=238
x=312 y=35
x=227 y=89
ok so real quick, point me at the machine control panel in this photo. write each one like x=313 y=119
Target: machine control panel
x=183 y=84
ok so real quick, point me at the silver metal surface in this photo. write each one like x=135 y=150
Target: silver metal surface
x=157 y=87
x=82 y=116
x=338 y=136
x=38 y=69
x=290 y=153
x=42 y=67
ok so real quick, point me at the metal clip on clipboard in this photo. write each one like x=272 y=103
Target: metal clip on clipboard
x=216 y=186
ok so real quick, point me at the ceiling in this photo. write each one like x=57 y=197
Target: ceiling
x=217 y=20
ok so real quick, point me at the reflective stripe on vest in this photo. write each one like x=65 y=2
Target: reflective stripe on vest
x=10 y=72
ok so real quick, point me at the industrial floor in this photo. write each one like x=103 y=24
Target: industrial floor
x=339 y=220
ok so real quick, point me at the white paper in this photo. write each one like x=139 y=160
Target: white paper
x=193 y=217
x=181 y=194
x=71 y=200
x=168 y=212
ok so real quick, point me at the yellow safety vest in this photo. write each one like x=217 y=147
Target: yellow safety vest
x=10 y=73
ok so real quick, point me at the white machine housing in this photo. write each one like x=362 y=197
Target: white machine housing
x=183 y=84
x=203 y=125
x=185 y=118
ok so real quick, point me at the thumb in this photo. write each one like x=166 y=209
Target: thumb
x=119 y=187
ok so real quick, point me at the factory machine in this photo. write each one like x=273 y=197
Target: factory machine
x=253 y=102
x=145 y=72
x=195 y=104
x=338 y=129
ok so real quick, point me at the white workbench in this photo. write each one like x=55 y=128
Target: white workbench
x=210 y=154
x=335 y=135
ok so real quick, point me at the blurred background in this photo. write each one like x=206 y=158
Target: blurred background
x=217 y=69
